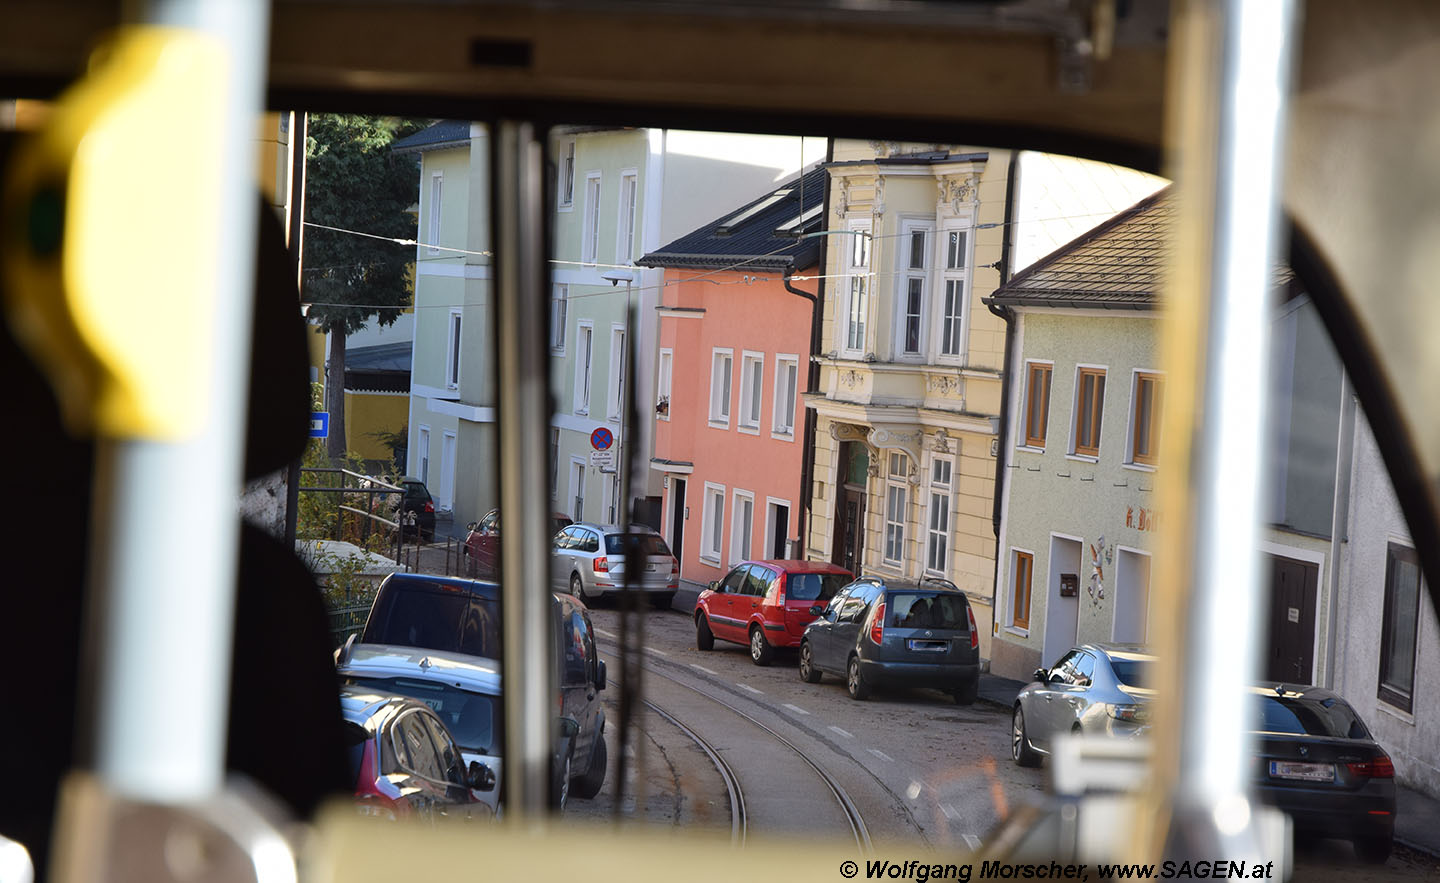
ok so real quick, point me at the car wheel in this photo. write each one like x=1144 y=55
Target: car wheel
x=761 y=653
x=1376 y=849
x=968 y=693
x=1020 y=748
x=588 y=785
x=808 y=672
x=704 y=638
x=855 y=680
x=577 y=588
x=663 y=602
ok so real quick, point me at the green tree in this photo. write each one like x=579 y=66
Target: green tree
x=354 y=183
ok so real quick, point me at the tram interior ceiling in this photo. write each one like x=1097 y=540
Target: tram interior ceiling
x=1319 y=152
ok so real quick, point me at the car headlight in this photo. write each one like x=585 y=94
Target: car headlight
x=1138 y=714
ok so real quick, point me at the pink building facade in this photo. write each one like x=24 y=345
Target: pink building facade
x=732 y=368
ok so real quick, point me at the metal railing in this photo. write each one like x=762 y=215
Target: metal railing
x=370 y=487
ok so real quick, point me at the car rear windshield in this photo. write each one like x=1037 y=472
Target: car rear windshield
x=472 y=718
x=649 y=543
x=814 y=586
x=435 y=616
x=927 y=610
x=1310 y=716
x=1132 y=672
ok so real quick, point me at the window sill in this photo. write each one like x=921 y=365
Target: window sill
x=717 y=424
x=565 y=207
x=1017 y=632
x=1138 y=467
x=1083 y=458
x=783 y=436
x=1029 y=449
x=710 y=559
x=582 y=412
x=1396 y=712
x=748 y=430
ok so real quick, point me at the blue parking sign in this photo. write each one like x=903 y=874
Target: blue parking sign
x=319 y=424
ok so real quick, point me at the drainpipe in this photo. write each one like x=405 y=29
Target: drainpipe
x=1003 y=439
x=812 y=370
x=1339 y=518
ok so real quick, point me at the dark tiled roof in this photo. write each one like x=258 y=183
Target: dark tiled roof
x=745 y=237
x=384 y=357
x=446 y=133
x=1118 y=265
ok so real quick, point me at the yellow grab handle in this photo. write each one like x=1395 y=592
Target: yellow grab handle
x=112 y=224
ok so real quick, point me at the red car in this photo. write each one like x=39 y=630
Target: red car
x=482 y=543
x=765 y=604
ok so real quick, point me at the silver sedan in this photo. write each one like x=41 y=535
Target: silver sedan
x=1094 y=688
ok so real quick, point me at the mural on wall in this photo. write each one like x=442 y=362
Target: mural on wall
x=1100 y=556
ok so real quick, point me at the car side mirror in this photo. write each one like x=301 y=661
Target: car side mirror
x=1042 y=675
x=480 y=777
x=600 y=674
x=714 y=585
x=470 y=526
x=816 y=610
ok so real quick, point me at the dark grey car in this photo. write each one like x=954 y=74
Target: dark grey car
x=895 y=633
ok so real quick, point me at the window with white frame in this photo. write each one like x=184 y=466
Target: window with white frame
x=452 y=353
x=752 y=373
x=423 y=455
x=584 y=353
x=914 y=254
x=566 y=185
x=743 y=528
x=662 y=384
x=721 y=366
x=787 y=378
x=712 y=523
x=937 y=532
x=559 y=304
x=590 y=235
x=896 y=488
x=625 y=232
x=432 y=236
x=955 y=245
x=617 y=372
x=857 y=269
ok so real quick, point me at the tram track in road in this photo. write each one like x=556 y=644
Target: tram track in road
x=740 y=820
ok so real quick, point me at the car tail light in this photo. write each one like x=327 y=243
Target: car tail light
x=877 y=628
x=601 y=565
x=974 y=632
x=370 y=800
x=429 y=506
x=780 y=590
x=674 y=568
x=1376 y=768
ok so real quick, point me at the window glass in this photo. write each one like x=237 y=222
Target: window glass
x=813 y=586
x=647 y=543
x=424 y=759
x=1399 y=628
x=758 y=581
x=575 y=661
x=589 y=541
x=1133 y=672
x=735 y=580
x=926 y=610
x=445 y=747
x=856 y=603
x=1083 y=670
x=473 y=718
x=1309 y=716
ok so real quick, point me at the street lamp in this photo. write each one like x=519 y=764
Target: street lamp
x=615 y=277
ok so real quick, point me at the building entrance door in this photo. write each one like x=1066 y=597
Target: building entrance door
x=677 y=519
x=1290 y=653
x=848 y=541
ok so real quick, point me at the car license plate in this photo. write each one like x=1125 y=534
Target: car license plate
x=651 y=568
x=928 y=646
x=1305 y=772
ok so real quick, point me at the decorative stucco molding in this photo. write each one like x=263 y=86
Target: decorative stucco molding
x=877 y=207
x=940 y=442
x=842 y=202
x=959 y=190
